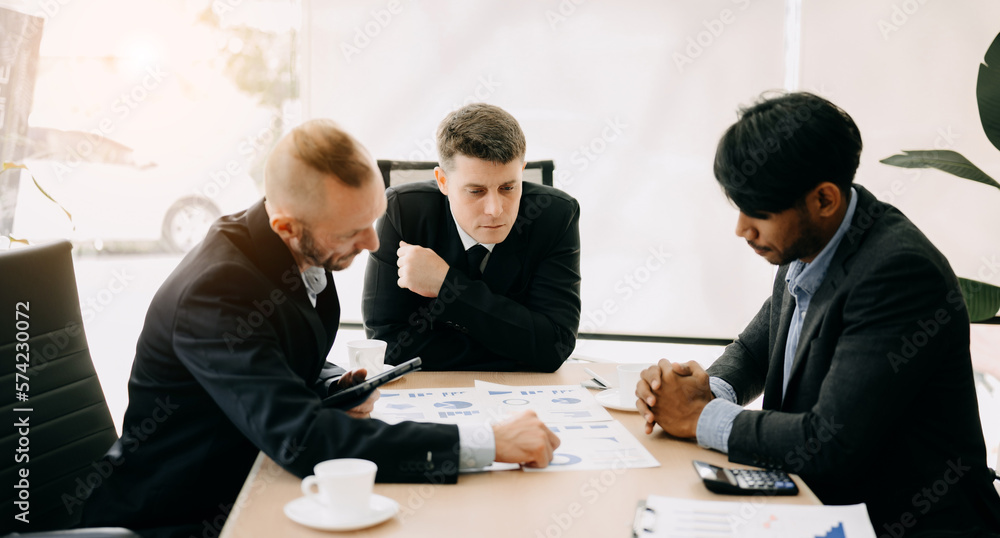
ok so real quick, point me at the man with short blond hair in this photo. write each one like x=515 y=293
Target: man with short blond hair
x=234 y=352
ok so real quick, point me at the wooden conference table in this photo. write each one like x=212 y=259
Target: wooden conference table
x=506 y=503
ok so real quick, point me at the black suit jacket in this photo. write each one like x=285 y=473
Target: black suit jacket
x=232 y=361
x=522 y=315
x=881 y=402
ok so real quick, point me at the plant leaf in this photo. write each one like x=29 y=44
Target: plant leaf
x=988 y=93
x=12 y=240
x=47 y=195
x=982 y=300
x=944 y=160
x=7 y=165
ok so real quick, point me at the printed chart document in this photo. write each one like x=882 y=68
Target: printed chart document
x=447 y=406
x=758 y=517
x=552 y=403
x=585 y=446
x=589 y=437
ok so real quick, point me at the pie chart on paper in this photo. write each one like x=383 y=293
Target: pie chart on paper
x=453 y=405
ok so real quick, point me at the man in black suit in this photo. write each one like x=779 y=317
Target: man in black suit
x=232 y=358
x=862 y=350
x=477 y=270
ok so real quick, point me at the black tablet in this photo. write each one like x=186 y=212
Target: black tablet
x=352 y=397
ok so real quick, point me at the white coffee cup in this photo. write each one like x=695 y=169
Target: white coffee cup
x=628 y=378
x=367 y=354
x=344 y=486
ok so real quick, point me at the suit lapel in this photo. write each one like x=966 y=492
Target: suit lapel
x=810 y=326
x=775 y=370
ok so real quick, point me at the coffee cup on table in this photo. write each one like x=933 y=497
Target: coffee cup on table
x=367 y=354
x=342 y=486
x=628 y=379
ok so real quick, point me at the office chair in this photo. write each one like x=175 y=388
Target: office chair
x=51 y=387
x=402 y=172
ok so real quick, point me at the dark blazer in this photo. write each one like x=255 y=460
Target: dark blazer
x=232 y=361
x=522 y=315
x=881 y=402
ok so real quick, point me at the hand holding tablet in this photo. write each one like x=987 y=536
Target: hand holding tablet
x=353 y=396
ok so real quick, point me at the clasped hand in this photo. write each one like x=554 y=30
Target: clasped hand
x=673 y=395
x=421 y=270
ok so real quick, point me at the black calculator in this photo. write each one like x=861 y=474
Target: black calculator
x=745 y=481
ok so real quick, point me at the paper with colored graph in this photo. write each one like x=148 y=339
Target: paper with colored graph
x=585 y=446
x=589 y=437
x=756 y=517
x=552 y=403
x=448 y=406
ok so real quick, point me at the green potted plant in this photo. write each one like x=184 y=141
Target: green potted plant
x=982 y=299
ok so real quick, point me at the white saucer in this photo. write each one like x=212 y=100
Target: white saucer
x=306 y=511
x=610 y=398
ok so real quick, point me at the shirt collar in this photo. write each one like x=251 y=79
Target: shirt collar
x=808 y=276
x=315 y=279
x=467 y=240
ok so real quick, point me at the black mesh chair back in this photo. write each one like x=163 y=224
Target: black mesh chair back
x=402 y=172
x=50 y=394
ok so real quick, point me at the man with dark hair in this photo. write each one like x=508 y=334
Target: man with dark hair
x=477 y=270
x=232 y=358
x=862 y=350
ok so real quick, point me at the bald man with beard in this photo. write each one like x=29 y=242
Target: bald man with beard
x=232 y=359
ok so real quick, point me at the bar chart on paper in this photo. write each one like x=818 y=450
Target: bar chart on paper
x=758 y=517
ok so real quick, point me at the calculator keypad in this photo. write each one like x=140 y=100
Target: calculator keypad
x=753 y=479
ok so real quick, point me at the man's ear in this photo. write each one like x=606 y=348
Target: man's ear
x=287 y=228
x=829 y=199
x=442 y=181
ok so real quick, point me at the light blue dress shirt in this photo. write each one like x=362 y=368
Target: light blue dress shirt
x=803 y=279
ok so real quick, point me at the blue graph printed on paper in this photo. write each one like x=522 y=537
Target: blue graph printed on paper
x=836 y=532
x=560 y=459
x=565 y=400
x=446 y=414
x=453 y=405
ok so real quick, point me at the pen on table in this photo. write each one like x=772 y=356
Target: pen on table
x=600 y=380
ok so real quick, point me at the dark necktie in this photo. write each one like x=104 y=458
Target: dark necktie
x=475 y=256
